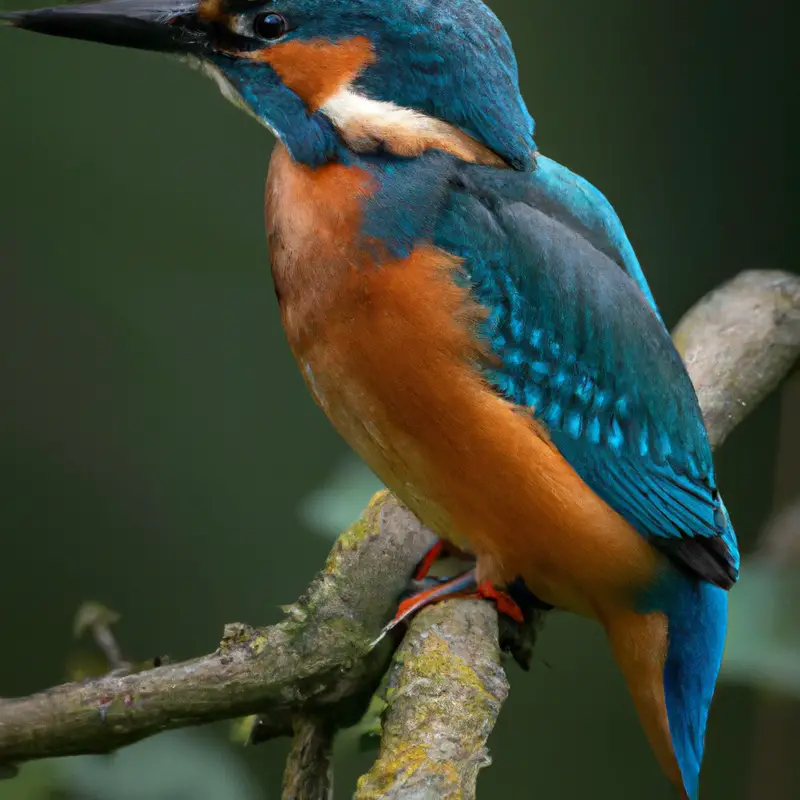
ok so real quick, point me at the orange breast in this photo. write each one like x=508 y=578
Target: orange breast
x=389 y=352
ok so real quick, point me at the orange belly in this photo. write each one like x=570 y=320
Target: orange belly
x=391 y=368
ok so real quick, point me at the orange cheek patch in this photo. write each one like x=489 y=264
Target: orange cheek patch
x=315 y=69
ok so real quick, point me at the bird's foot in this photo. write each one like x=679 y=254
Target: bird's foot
x=429 y=559
x=506 y=605
x=464 y=586
x=443 y=550
x=420 y=599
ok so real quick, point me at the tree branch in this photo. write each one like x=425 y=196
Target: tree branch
x=317 y=657
x=314 y=670
x=445 y=689
x=309 y=768
x=738 y=343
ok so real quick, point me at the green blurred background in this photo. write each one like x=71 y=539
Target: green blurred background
x=158 y=451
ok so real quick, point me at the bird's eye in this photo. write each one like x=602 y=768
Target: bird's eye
x=269 y=26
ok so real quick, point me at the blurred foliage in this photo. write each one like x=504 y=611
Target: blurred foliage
x=179 y=765
x=340 y=500
x=763 y=646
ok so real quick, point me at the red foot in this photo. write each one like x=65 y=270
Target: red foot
x=505 y=604
x=454 y=588
x=428 y=561
x=462 y=586
x=413 y=603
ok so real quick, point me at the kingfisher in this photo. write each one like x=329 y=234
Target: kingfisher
x=473 y=320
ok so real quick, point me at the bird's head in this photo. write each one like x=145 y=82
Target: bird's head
x=396 y=75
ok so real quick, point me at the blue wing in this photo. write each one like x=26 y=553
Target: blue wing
x=583 y=205
x=579 y=341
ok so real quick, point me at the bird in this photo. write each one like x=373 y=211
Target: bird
x=472 y=318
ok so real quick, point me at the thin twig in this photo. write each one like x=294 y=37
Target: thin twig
x=309 y=768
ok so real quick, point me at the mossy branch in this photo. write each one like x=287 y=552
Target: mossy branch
x=444 y=692
x=319 y=656
x=315 y=670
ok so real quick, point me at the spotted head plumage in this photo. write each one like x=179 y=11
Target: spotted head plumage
x=327 y=77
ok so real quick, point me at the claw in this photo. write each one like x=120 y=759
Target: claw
x=463 y=586
x=506 y=605
x=429 y=559
x=411 y=605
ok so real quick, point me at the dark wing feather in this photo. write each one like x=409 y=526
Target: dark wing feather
x=579 y=343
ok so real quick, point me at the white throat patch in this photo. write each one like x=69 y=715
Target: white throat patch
x=367 y=124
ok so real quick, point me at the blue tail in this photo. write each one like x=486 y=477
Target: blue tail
x=697 y=614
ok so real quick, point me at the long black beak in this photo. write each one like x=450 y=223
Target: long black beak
x=169 y=26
